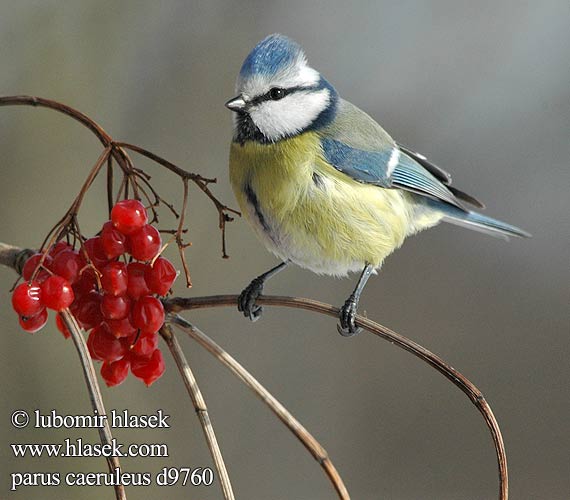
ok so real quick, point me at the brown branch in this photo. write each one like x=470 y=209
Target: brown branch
x=103 y=137
x=109 y=184
x=14 y=257
x=165 y=163
x=312 y=445
x=178 y=235
x=26 y=100
x=177 y=304
x=201 y=409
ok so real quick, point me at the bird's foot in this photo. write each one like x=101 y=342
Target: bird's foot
x=247 y=298
x=347 y=327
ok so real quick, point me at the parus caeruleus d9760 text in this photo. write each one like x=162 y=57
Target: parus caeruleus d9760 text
x=322 y=184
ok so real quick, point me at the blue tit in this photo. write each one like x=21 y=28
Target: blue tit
x=322 y=184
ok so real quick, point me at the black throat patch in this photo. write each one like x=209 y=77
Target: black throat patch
x=246 y=130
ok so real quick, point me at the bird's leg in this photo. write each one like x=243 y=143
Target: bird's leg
x=247 y=298
x=347 y=328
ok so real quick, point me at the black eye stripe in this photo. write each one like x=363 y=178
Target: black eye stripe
x=286 y=91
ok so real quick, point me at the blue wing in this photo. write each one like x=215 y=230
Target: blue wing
x=390 y=168
x=357 y=146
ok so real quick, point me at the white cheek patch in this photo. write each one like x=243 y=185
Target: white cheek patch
x=290 y=115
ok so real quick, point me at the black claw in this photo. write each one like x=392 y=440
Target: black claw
x=247 y=298
x=347 y=327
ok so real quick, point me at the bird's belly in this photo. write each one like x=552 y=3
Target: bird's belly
x=341 y=232
x=319 y=218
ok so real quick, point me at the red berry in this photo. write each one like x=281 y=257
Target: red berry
x=32 y=324
x=145 y=345
x=121 y=328
x=147 y=314
x=95 y=251
x=114 y=242
x=57 y=293
x=116 y=372
x=86 y=283
x=94 y=356
x=31 y=265
x=61 y=326
x=87 y=310
x=27 y=299
x=145 y=243
x=128 y=216
x=67 y=264
x=160 y=276
x=137 y=286
x=114 y=279
x=115 y=307
x=60 y=246
x=148 y=369
x=104 y=344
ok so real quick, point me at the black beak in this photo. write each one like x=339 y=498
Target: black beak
x=236 y=104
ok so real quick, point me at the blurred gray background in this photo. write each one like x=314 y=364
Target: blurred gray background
x=481 y=88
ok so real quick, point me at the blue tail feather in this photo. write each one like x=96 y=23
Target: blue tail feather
x=477 y=221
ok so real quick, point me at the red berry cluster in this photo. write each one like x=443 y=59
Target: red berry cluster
x=115 y=298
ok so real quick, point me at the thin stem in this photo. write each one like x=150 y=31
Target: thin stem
x=90 y=178
x=200 y=407
x=310 y=443
x=202 y=182
x=94 y=393
x=178 y=235
x=177 y=304
x=109 y=184
x=165 y=163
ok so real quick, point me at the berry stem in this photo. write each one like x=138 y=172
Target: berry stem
x=95 y=396
x=302 y=434
x=110 y=184
x=200 y=407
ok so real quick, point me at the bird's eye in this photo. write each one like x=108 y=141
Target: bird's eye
x=276 y=93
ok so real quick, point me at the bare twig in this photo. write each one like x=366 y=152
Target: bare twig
x=131 y=176
x=94 y=393
x=26 y=100
x=177 y=304
x=178 y=235
x=312 y=445
x=200 y=407
x=109 y=185
x=202 y=182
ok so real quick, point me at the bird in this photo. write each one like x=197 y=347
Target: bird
x=322 y=184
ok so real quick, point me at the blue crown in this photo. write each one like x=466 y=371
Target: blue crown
x=270 y=55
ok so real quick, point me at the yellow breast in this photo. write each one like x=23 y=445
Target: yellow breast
x=306 y=211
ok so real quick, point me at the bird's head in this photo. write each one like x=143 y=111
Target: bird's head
x=279 y=94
